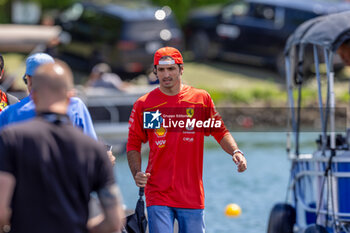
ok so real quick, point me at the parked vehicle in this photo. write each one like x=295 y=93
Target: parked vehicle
x=123 y=36
x=251 y=31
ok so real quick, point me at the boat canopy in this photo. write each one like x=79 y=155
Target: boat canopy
x=318 y=179
x=328 y=31
x=323 y=35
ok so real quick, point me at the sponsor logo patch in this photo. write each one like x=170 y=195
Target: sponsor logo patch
x=161 y=143
x=152 y=120
x=161 y=132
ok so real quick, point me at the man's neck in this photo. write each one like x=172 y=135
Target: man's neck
x=53 y=108
x=171 y=91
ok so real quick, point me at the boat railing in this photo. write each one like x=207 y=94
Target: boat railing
x=305 y=206
x=309 y=171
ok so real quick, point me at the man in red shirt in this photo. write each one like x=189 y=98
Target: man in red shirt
x=174 y=119
x=5 y=98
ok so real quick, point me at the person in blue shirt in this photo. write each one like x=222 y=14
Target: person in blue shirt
x=25 y=109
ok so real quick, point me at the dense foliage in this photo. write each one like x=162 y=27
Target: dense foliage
x=179 y=7
x=182 y=7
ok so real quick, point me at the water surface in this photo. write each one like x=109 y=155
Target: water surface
x=255 y=191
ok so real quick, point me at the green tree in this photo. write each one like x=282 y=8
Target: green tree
x=5 y=9
x=53 y=4
x=181 y=8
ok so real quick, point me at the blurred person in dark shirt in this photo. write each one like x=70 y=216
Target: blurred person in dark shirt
x=48 y=168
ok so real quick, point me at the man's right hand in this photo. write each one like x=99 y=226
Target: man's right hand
x=141 y=179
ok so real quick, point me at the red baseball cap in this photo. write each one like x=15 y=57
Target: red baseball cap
x=170 y=52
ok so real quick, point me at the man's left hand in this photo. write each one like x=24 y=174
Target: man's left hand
x=240 y=161
x=111 y=157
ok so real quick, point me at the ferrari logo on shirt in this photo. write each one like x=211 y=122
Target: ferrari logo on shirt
x=190 y=112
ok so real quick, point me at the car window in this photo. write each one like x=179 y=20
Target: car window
x=253 y=14
x=239 y=9
x=296 y=17
x=264 y=12
x=149 y=30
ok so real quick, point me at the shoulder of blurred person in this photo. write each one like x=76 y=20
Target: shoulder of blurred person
x=80 y=116
x=18 y=112
x=344 y=52
x=109 y=80
x=101 y=76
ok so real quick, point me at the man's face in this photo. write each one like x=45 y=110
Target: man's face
x=169 y=75
x=344 y=53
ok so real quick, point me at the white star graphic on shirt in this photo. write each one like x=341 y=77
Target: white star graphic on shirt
x=156 y=115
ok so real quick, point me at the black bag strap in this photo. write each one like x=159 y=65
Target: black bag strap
x=141 y=192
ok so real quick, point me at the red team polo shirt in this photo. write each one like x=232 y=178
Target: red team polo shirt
x=176 y=153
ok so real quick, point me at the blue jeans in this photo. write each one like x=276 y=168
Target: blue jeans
x=161 y=219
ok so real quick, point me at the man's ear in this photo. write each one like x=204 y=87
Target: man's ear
x=29 y=82
x=181 y=70
x=155 y=70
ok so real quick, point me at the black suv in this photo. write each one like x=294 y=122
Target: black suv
x=124 y=36
x=251 y=31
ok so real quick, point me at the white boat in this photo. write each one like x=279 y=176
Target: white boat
x=26 y=38
x=318 y=196
x=110 y=110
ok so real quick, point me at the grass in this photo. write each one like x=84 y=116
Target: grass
x=227 y=83
x=251 y=86
x=224 y=76
x=236 y=84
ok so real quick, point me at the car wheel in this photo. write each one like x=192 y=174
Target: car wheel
x=199 y=45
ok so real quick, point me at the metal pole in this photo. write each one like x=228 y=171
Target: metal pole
x=332 y=107
x=290 y=100
x=320 y=104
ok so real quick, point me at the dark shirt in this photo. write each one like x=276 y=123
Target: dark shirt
x=56 y=168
